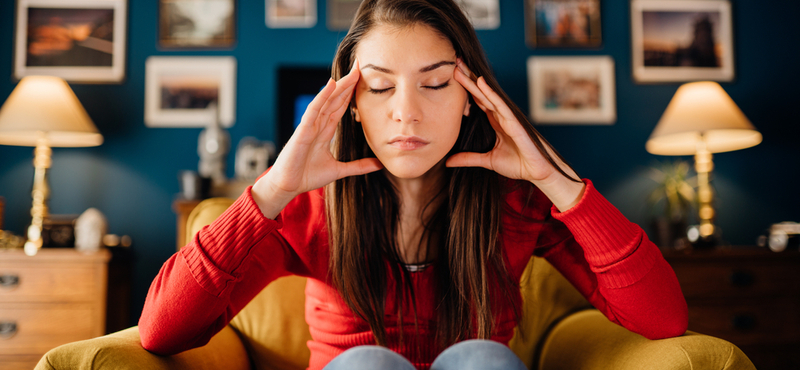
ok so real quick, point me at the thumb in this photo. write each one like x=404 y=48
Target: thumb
x=469 y=159
x=359 y=167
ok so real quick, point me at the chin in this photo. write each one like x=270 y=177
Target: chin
x=408 y=170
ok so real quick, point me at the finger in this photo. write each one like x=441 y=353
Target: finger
x=495 y=100
x=358 y=167
x=469 y=159
x=473 y=89
x=329 y=128
x=313 y=109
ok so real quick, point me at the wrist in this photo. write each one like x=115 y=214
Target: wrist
x=563 y=192
x=270 y=199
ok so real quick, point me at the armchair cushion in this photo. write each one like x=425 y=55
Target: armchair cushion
x=123 y=350
x=587 y=340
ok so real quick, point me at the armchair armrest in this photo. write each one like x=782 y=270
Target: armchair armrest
x=588 y=340
x=123 y=350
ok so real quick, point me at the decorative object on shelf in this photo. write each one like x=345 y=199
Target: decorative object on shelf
x=341 y=13
x=559 y=23
x=58 y=231
x=196 y=23
x=483 y=14
x=90 y=227
x=702 y=119
x=572 y=90
x=213 y=145
x=297 y=86
x=179 y=91
x=10 y=241
x=42 y=111
x=291 y=13
x=80 y=40
x=672 y=202
x=252 y=158
x=193 y=186
x=781 y=236
x=681 y=40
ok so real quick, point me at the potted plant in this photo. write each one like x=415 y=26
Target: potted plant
x=671 y=203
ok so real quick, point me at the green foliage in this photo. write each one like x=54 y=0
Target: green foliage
x=675 y=196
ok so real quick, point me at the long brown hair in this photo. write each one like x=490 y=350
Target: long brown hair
x=363 y=211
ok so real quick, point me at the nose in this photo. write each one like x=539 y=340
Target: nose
x=406 y=107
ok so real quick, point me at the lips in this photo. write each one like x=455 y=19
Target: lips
x=404 y=142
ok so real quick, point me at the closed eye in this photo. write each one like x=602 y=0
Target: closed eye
x=377 y=91
x=439 y=87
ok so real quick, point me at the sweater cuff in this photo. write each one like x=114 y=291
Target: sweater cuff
x=613 y=246
x=221 y=247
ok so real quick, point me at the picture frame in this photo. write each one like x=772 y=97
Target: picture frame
x=341 y=13
x=572 y=90
x=560 y=23
x=483 y=14
x=297 y=86
x=291 y=13
x=681 y=40
x=81 y=41
x=190 y=91
x=197 y=23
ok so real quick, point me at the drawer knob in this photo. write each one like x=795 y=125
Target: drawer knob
x=7 y=329
x=9 y=281
x=742 y=278
x=744 y=322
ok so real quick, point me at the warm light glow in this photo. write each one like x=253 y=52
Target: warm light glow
x=701 y=112
x=45 y=107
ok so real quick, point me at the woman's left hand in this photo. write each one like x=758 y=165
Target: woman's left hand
x=514 y=154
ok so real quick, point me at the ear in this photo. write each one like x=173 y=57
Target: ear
x=356 y=116
x=467 y=106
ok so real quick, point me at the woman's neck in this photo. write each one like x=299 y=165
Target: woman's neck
x=418 y=202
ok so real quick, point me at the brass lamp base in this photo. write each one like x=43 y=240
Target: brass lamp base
x=41 y=191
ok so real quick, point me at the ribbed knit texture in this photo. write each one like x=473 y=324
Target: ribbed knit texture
x=199 y=290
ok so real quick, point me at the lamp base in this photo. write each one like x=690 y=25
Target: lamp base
x=698 y=241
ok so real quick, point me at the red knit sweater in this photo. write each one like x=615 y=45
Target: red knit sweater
x=201 y=288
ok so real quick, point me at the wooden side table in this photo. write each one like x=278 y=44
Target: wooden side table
x=53 y=298
x=748 y=296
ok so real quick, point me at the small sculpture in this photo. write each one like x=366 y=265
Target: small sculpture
x=90 y=227
x=212 y=147
x=252 y=158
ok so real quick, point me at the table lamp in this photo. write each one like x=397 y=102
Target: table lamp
x=43 y=112
x=702 y=119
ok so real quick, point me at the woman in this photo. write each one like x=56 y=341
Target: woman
x=412 y=196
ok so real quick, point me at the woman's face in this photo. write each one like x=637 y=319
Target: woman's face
x=407 y=100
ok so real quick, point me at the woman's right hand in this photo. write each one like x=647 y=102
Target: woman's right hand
x=306 y=162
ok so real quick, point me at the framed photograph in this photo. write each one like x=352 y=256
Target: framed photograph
x=291 y=13
x=341 y=13
x=81 y=41
x=563 y=23
x=484 y=14
x=572 y=90
x=680 y=40
x=197 y=23
x=189 y=91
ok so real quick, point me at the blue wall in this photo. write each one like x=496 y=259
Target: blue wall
x=132 y=177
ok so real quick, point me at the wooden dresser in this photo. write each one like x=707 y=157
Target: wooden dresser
x=53 y=298
x=748 y=296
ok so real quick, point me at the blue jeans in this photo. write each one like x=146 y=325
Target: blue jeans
x=473 y=354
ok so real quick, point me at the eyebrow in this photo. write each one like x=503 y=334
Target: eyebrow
x=422 y=70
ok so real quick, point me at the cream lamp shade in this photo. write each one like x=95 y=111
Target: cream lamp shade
x=701 y=112
x=44 y=107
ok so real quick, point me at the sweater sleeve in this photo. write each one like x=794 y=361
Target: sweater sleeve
x=617 y=268
x=203 y=286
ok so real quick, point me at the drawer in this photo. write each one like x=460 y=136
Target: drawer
x=745 y=279
x=41 y=327
x=19 y=362
x=44 y=282
x=747 y=323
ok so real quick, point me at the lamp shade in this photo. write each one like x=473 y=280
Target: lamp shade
x=701 y=112
x=45 y=107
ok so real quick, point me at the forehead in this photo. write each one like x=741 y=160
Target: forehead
x=407 y=46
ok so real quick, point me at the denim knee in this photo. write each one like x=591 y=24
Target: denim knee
x=369 y=358
x=478 y=354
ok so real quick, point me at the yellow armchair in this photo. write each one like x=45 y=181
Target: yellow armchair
x=560 y=331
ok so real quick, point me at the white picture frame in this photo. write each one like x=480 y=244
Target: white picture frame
x=572 y=90
x=664 y=45
x=92 y=50
x=483 y=14
x=291 y=13
x=179 y=91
